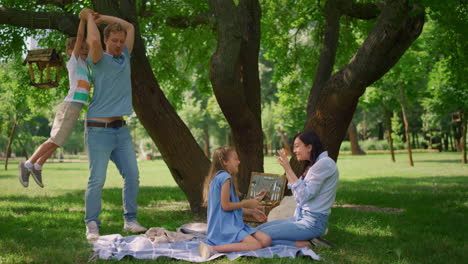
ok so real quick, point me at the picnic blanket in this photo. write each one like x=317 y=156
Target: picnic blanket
x=161 y=235
x=140 y=247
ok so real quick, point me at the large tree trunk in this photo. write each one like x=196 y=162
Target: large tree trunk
x=405 y=122
x=333 y=98
x=235 y=80
x=388 y=124
x=354 y=140
x=206 y=141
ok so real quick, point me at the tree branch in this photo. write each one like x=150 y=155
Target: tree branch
x=359 y=10
x=64 y=22
x=206 y=18
x=396 y=29
x=328 y=53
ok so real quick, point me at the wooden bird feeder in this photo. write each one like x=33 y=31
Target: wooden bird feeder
x=456 y=116
x=45 y=59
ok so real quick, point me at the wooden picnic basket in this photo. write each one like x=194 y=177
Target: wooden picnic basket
x=274 y=184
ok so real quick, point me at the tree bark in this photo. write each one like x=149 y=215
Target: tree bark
x=388 y=124
x=179 y=149
x=354 y=140
x=333 y=99
x=64 y=22
x=405 y=122
x=235 y=80
x=206 y=141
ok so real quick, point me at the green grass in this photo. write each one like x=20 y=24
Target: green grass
x=46 y=225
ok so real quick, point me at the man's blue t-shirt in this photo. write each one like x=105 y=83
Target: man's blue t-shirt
x=112 y=94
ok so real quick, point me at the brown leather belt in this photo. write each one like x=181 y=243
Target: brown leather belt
x=113 y=124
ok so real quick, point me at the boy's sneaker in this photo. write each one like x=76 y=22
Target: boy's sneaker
x=321 y=242
x=23 y=174
x=92 y=230
x=134 y=227
x=206 y=251
x=37 y=176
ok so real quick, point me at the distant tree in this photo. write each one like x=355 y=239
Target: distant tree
x=447 y=88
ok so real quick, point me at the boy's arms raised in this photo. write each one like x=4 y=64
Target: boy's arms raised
x=94 y=37
x=103 y=19
x=79 y=39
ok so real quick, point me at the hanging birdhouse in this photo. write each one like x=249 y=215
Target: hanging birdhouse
x=456 y=116
x=45 y=60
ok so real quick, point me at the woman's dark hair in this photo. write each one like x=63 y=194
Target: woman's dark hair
x=311 y=138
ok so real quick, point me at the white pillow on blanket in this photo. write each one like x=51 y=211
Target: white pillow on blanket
x=284 y=210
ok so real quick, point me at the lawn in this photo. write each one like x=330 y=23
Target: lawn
x=46 y=225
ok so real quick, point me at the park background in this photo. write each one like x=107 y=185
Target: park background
x=420 y=104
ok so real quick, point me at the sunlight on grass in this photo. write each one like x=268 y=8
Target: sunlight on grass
x=46 y=225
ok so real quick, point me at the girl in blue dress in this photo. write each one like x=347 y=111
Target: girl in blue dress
x=227 y=231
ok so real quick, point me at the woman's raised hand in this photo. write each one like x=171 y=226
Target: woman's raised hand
x=252 y=204
x=283 y=159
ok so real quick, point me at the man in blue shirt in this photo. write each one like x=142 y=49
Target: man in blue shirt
x=107 y=137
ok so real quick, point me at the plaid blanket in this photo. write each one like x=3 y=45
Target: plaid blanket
x=140 y=247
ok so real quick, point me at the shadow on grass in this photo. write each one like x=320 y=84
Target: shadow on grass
x=6 y=176
x=439 y=161
x=429 y=231
x=51 y=229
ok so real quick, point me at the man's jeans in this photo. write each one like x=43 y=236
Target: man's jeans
x=114 y=144
x=289 y=230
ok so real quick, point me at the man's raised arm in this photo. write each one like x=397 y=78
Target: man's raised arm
x=103 y=19
x=94 y=38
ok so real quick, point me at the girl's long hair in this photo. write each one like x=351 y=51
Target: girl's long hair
x=220 y=154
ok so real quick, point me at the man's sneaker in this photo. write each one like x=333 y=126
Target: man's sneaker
x=92 y=230
x=321 y=242
x=23 y=174
x=206 y=251
x=37 y=176
x=133 y=227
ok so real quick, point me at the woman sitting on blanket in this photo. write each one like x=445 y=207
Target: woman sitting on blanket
x=226 y=229
x=314 y=192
